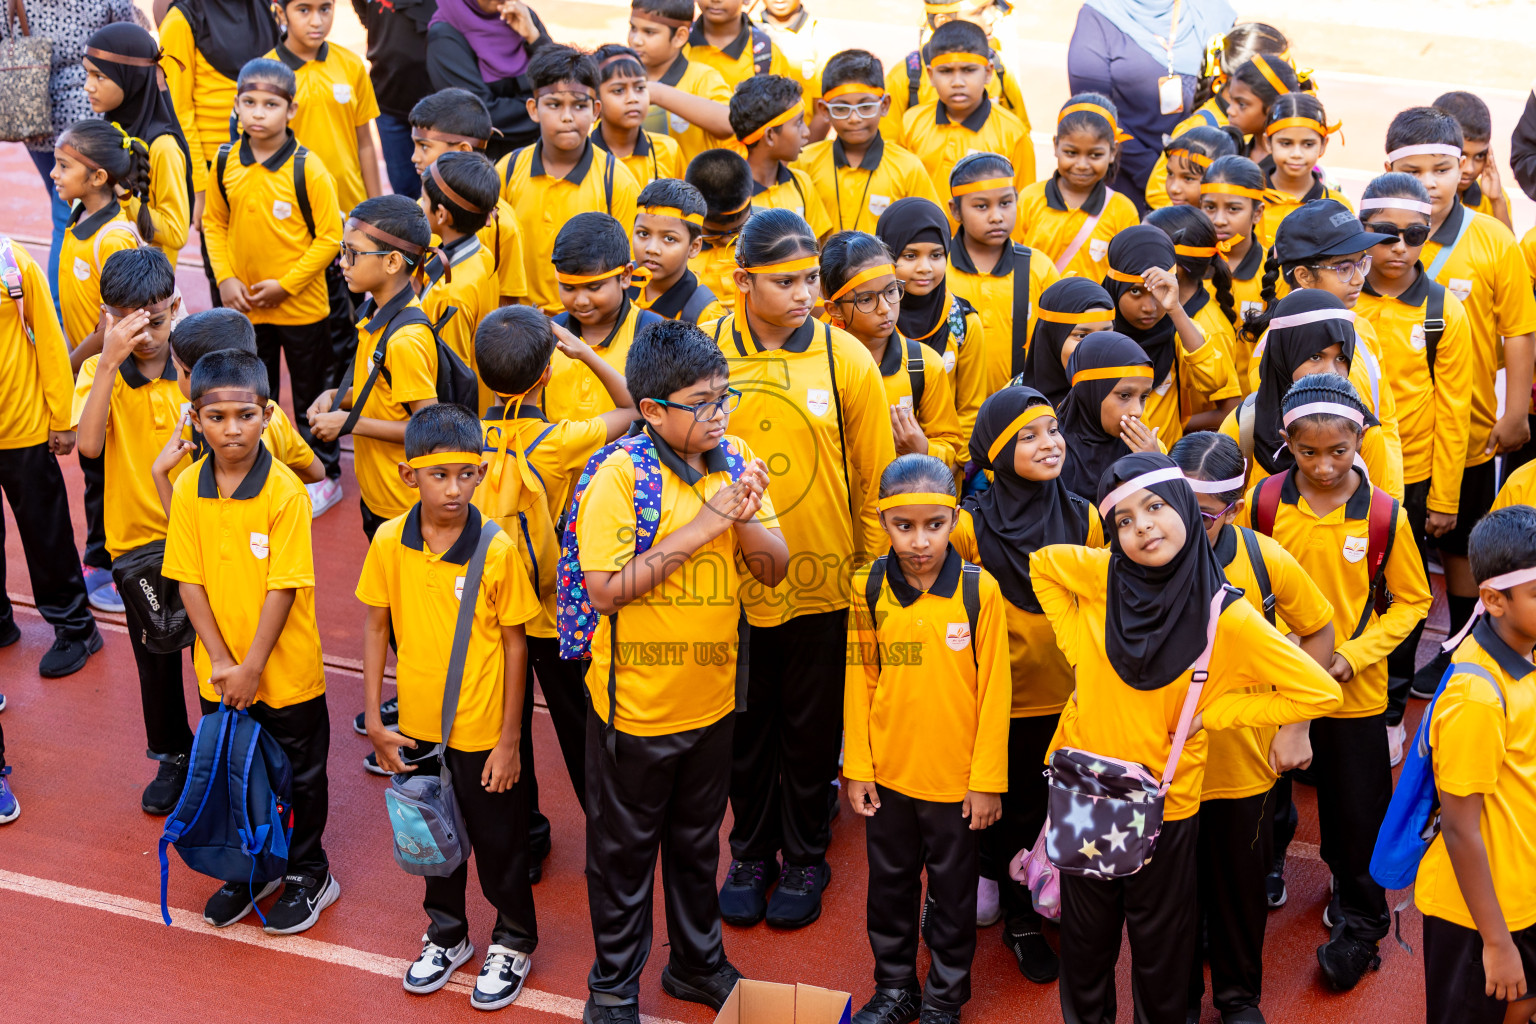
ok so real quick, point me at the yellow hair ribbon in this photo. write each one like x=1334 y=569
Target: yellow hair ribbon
x=789 y=115
x=867 y=274
x=787 y=267
x=848 y=88
x=575 y=279
x=960 y=58
x=1324 y=130
x=1225 y=246
x=1222 y=188
x=1195 y=250
x=981 y=185
x=1094 y=108
x=1087 y=316
x=672 y=211
x=1011 y=431
x=1111 y=373
x=445 y=459
x=1124 y=278
x=915 y=498
x=1261 y=62
x=1200 y=160
x=1275 y=197
x=128 y=140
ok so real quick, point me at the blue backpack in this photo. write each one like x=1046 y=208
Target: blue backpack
x=235 y=815
x=1413 y=817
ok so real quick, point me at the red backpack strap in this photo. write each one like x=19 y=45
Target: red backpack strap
x=1380 y=534
x=1267 y=502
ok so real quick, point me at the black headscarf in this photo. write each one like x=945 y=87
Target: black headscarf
x=1132 y=252
x=1090 y=450
x=1042 y=365
x=1286 y=349
x=1014 y=517
x=146 y=111
x=917 y=220
x=230 y=32
x=1155 y=618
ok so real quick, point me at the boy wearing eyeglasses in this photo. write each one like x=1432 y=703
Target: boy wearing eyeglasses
x=663 y=679
x=857 y=172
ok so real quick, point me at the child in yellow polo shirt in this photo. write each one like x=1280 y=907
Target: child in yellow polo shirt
x=412 y=581
x=725 y=181
x=1232 y=196
x=272 y=227
x=1071 y=216
x=625 y=97
x=859 y=173
x=126 y=407
x=659 y=733
x=768 y=117
x=563 y=174
x=1297 y=134
x=238 y=542
x=909 y=82
x=456 y=120
x=1475 y=882
x=1320 y=511
x=689 y=97
x=459 y=191
x=669 y=233
x=963 y=119
x=1481 y=189
x=925 y=764
x=728 y=41
x=592 y=260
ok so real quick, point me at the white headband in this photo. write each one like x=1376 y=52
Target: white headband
x=1504 y=582
x=1433 y=149
x=1215 y=486
x=1157 y=476
x=1330 y=408
x=1412 y=205
x=1312 y=316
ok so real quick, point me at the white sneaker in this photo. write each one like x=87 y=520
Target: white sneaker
x=1397 y=736
x=989 y=909
x=435 y=966
x=501 y=979
x=322 y=496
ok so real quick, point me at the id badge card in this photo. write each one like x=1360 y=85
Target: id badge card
x=1170 y=94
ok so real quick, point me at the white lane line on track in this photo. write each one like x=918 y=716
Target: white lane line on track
x=326 y=952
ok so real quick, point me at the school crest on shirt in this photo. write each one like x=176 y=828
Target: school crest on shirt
x=904 y=402
x=1355 y=548
x=957 y=635
x=1416 y=338
x=878 y=204
x=82 y=269
x=816 y=400
x=1460 y=287
x=458 y=588
x=281 y=210
x=1097 y=247
x=949 y=361
x=261 y=544
x=342 y=91
x=679 y=124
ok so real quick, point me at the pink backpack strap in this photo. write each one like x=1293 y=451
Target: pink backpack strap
x=12 y=281
x=1083 y=234
x=1198 y=676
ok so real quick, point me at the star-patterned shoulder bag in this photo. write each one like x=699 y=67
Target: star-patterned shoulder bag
x=1105 y=814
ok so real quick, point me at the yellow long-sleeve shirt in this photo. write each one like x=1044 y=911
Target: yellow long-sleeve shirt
x=1004 y=339
x=940 y=143
x=170 y=208
x=37 y=388
x=936 y=409
x=1205 y=371
x=201 y=94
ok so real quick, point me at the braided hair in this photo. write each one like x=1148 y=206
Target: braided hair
x=1190 y=228
x=107 y=147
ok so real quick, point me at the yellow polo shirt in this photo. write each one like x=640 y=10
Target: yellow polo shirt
x=656 y=155
x=472 y=291
x=1003 y=89
x=240 y=548
x=739 y=60
x=696 y=78
x=856 y=196
x=794 y=190
x=36 y=391
x=1046 y=225
x=713 y=266
x=1519 y=488
x=1205 y=371
x=87 y=244
x=573 y=391
x=201 y=94
x=335 y=99
x=940 y=143
x=1004 y=338
x=1213 y=324
x=411 y=359
x=422 y=591
x=1280 y=205
x=170 y=208
x=936 y=411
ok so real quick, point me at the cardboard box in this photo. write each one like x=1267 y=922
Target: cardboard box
x=763 y=1002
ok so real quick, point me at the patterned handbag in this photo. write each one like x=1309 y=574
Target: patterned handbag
x=1105 y=814
x=25 y=62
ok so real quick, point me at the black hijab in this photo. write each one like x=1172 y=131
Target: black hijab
x=146 y=112
x=230 y=32
x=1014 y=517
x=1069 y=297
x=1131 y=253
x=1286 y=349
x=1090 y=450
x=917 y=220
x=1155 y=618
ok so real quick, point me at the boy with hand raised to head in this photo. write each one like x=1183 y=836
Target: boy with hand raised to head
x=689 y=97
x=412 y=580
x=126 y=407
x=768 y=117
x=563 y=174
x=668 y=235
x=725 y=181
x=238 y=542
x=658 y=739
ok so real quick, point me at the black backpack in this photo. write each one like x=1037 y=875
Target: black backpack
x=456 y=382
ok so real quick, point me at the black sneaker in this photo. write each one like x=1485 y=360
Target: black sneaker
x=1247 y=1015
x=501 y=978
x=371 y=765
x=890 y=1006
x=435 y=966
x=298 y=908
x=9 y=633
x=710 y=989
x=170 y=779
x=233 y=901
x=1037 y=960
x=66 y=657
x=744 y=896
x=1345 y=960
x=1427 y=679
x=624 y=1013
x=1333 y=913
x=1274 y=890
x=389 y=711
x=934 y=1015
x=796 y=902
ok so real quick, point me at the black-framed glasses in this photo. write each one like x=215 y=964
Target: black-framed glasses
x=1413 y=235
x=706 y=411
x=865 y=302
x=1346 y=270
x=349 y=255
x=1212 y=518
x=843 y=111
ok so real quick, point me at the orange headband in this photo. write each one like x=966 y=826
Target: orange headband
x=1324 y=130
x=1111 y=373
x=867 y=274
x=1198 y=159
x=851 y=87
x=1115 y=275
x=1094 y=108
x=74 y=153
x=981 y=185
x=787 y=267
x=1262 y=63
x=960 y=58
x=915 y=498
x=789 y=115
x=1087 y=316
x=1222 y=188
x=432 y=135
x=672 y=211
x=575 y=279
x=445 y=459
x=1011 y=431
x=1195 y=250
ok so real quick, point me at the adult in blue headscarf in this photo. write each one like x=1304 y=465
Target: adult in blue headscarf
x=1124 y=49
